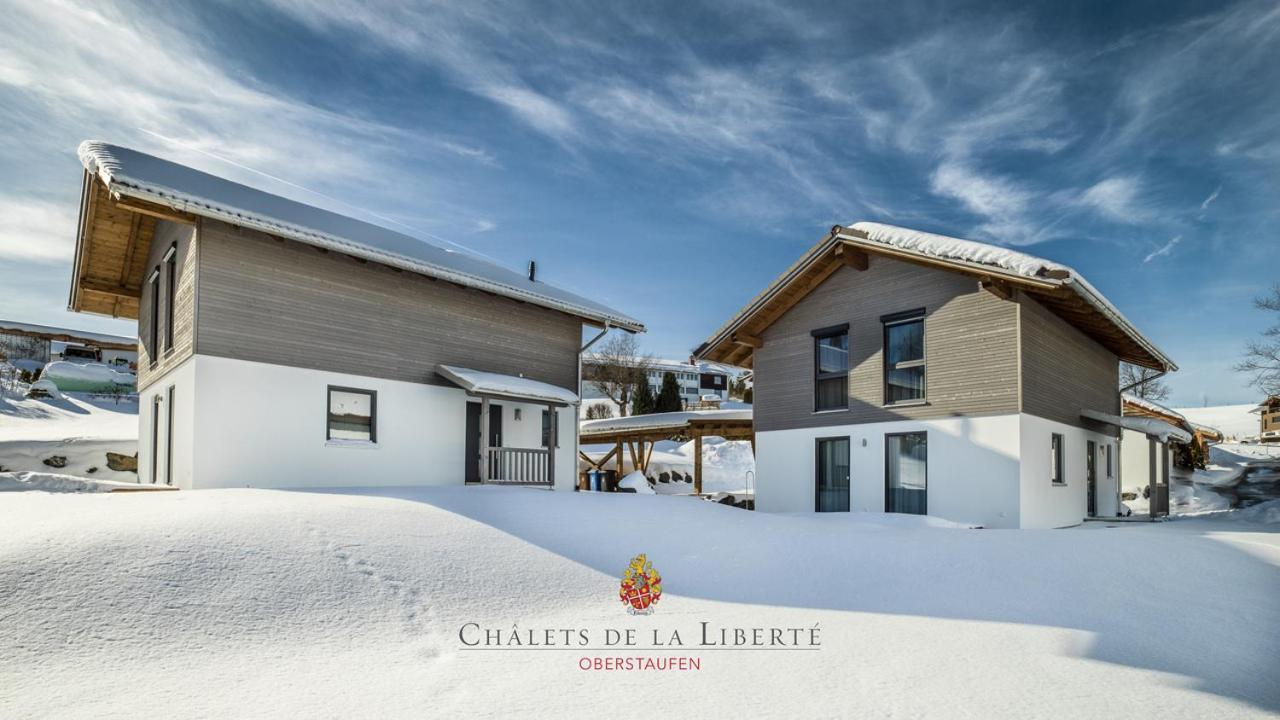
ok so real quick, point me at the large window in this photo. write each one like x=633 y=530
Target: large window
x=831 y=368
x=903 y=357
x=833 y=475
x=153 y=322
x=170 y=293
x=1055 y=470
x=352 y=415
x=906 y=473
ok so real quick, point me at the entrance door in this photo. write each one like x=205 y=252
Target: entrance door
x=1092 y=479
x=833 y=475
x=473 y=436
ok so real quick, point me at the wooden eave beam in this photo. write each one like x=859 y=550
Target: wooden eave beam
x=999 y=288
x=852 y=257
x=747 y=339
x=108 y=288
x=154 y=210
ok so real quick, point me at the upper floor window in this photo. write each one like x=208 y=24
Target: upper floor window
x=904 y=367
x=153 y=322
x=831 y=368
x=353 y=415
x=170 y=293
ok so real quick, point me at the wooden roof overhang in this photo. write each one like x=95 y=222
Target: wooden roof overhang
x=729 y=429
x=113 y=241
x=736 y=342
x=1132 y=409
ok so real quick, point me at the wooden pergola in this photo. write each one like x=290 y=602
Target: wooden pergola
x=641 y=433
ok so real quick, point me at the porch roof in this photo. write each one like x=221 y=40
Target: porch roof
x=492 y=384
x=1149 y=426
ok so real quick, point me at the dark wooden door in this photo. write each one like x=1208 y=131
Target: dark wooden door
x=473 y=436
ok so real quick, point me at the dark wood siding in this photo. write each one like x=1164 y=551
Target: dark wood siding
x=167 y=234
x=1063 y=370
x=970 y=347
x=278 y=301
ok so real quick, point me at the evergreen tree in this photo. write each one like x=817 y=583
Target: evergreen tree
x=642 y=400
x=668 y=394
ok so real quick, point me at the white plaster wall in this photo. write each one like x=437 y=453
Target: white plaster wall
x=1043 y=503
x=263 y=425
x=973 y=472
x=1135 y=461
x=182 y=378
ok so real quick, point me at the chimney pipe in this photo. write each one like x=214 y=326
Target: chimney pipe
x=533 y=271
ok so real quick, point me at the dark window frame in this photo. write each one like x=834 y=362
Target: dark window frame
x=153 y=329
x=817 y=471
x=1058 y=468
x=155 y=437
x=170 y=262
x=546 y=429
x=925 y=433
x=168 y=439
x=818 y=336
x=893 y=320
x=373 y=412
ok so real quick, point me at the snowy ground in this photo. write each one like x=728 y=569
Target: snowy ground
x=78 y=426
x=1234 y=421
x=727 y=465
x=252 y=603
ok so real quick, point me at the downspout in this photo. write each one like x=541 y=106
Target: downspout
x=578 y=408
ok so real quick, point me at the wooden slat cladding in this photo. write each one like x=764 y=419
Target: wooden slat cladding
x=277 y=301
x=970 y=347
x=167 y=234
x=1063 y=370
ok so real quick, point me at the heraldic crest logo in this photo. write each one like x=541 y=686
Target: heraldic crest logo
x=641 y=586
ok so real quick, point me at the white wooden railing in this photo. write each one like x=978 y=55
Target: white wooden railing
x=519 y=466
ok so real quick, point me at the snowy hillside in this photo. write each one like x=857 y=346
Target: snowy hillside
x=78 y=427
x=1235 y=421
x=289 y=604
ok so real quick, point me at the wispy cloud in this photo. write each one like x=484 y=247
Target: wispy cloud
x=34 y=230
x=1212 y=196
x=1163 y=249
x=1117 y=199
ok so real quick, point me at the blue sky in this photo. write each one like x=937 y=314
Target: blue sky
x=671 y=159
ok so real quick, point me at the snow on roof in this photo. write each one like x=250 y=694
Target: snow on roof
x=660 y=421
x=1153 y=406
x=131 y=173
x=80 y=335
x=1030 y=266
x=488 y=383
x=1152 y=427
x=668 y=364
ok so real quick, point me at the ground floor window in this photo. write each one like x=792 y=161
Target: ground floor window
x=833 y=475
x=352 y=414
x=1055 y=468
x=906 y=473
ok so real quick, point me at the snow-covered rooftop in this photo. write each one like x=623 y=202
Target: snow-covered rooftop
x=1153 y=407
x=488 y=383
x=59 y=333
x=1153 y=427
x=131 y=173
x=667 y=364
x=661 y=421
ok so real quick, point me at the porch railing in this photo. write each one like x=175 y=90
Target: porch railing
x=519 y=466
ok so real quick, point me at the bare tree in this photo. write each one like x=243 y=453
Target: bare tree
x=1146 y=382
x=1262 y=357
x=617 y=366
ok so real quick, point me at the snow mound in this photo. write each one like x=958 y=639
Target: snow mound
x=54 y=483
x=88 y=377
x=636 y=482
x=1266 y=513
x=47 y=386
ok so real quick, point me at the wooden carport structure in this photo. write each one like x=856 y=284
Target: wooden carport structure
x=641 y=433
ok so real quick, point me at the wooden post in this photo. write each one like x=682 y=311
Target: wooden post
x=697 y=464
x=484 y=440
x=619 y=459
x=551 y=446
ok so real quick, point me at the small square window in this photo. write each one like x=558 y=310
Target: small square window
x=352 y=415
